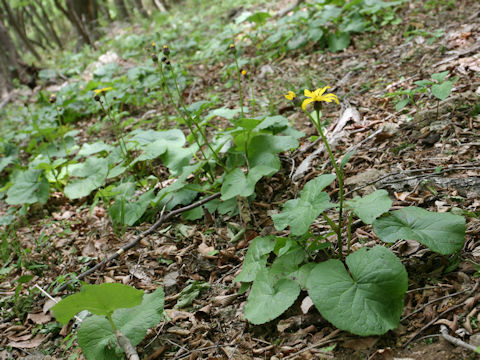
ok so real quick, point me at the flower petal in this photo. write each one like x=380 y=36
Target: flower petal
x=330 y=97
x=291 y=95
x=308 y=93
x=306 y=102
x=322 y=90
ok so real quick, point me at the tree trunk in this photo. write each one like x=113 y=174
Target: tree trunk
x=14 y=23
x=47 y=23
x=11 y=65
x=122 y=12
x=159 y=5
x=76 y=11
x=140 y=8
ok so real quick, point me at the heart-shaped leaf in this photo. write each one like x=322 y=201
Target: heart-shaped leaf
x=98 y=299
x=370 y=301
x=443 y=233
x=269 y=297
x=442 y=91
x=92 y=174
x=29 y=187
x=256 y=258
x=300 y=213
x=96 y=335
x=369 y=207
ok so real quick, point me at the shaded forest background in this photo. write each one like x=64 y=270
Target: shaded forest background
x=29 y=29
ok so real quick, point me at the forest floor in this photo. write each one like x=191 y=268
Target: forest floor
x=428 y=157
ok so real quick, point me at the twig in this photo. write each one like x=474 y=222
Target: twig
x=147 y=232
x=54 y=300
x=433 y=301
x=430 y=323
x=450 y=168
x=327 y=339
x=127 y=347
x=454 y=340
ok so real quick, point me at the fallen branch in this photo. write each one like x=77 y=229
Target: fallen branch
x=127 y=347
x=147 y=232
x=287 y=10
x=454 y=340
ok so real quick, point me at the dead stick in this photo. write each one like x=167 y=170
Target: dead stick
x=327 y=339
x=147 y=232
x=454 y=340
x=126 y=345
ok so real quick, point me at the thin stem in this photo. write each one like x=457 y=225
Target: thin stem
x=200 y=129
x=349 y=232
x=112 y=324
x=339 y=174
x=118 y=134
x=239 y=80
x=187 y=121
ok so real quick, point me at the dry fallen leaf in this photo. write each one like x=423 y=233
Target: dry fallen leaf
x=39 y=318
x=29 y=344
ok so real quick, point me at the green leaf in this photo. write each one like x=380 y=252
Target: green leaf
x=443 y=233
x=369 y=207
x=259 y=17
x=269 y=297
x=236 y=183
x=299 y=214
x=440 y=76
x=443 y=90
x=171 y=137
x=401 y=104
x=92 y=174
x=98 y=299
x=346 y=158
x=337 y=42
x=96 y=147
x=190 y=293
x=223 y=112
x=29 y=186
x=370 y=301
x=95 y=335
x=125 y=212
x=256 y=258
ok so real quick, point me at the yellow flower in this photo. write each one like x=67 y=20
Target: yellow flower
x=317 y=96
x=101 y=91
x=291 y=95
x=244 y=72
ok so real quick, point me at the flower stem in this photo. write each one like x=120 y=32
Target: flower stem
x=339 y=174
x=239 y=80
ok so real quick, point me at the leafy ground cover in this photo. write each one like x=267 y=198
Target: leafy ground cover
x=164 y=115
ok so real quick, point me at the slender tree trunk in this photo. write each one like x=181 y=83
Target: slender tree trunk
x=159 y=5
x=11 y=65
x=122 y=12
x=140 y=8
x=47 y=24
x=13 y=21
x=75 y=15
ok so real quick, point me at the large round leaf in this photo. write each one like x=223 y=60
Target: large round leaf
x=97 y=338
x=370 y=301
x=100 y=299
x=443 y=233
